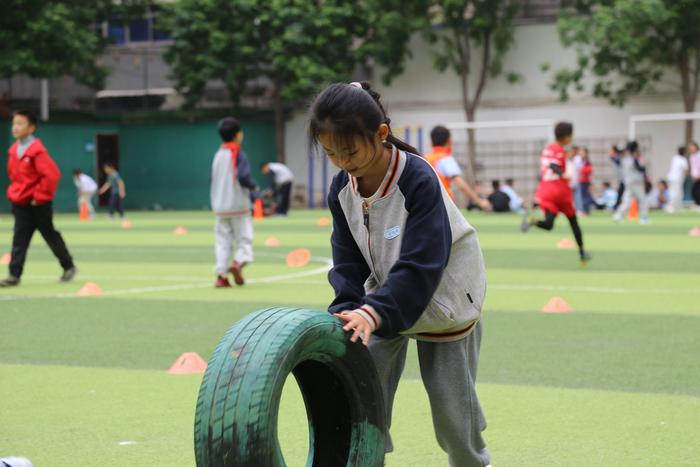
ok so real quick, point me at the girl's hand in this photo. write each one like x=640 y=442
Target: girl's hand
x=357 y=323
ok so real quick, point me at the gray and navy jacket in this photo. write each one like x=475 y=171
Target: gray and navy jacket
x=408 y=252
x=231 y=182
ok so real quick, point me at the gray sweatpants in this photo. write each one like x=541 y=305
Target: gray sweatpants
x=230 y=230
x=448 y=370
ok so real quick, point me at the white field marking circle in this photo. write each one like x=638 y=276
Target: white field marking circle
x=200 y=285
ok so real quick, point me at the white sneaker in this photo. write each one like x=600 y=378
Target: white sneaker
x=644 y=221
x=617 y=217
x=15 y=462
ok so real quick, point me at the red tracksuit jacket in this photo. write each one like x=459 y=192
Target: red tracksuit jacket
x=34 y=176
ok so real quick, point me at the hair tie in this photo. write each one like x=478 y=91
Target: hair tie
x=356 y=84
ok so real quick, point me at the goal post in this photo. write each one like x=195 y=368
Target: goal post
x=669 y=117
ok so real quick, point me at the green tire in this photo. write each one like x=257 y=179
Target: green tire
x=238 y=404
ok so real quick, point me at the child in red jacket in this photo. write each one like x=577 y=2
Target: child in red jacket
x=34 y=178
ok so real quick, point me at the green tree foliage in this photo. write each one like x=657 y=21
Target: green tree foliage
x=289 y=48
x=50 y=39
x=471 y=37
x=627 y=46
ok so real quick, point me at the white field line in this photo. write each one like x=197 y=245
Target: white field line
x=175 y=287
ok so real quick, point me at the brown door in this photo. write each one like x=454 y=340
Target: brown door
x=107 y=153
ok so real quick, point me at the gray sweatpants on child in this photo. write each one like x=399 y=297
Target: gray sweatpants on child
x=230 y=230
x=448 y=370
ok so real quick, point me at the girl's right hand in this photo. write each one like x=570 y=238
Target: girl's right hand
x=357 y=323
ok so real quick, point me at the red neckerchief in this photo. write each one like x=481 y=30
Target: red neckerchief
x=234 y=148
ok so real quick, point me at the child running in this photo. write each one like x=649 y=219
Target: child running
x=231 y=183
x=554 y=193
x=406 y=264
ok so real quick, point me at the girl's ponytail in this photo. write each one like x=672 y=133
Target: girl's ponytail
x=391 y=138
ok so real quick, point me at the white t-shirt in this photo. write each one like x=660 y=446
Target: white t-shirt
x=679 y=166
x=448 y=167
x=282 y=173
x=85 y=184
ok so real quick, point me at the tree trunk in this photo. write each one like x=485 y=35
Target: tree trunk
x=471 y=147
x=690 y=77
x=279 y=127
x=689 y=124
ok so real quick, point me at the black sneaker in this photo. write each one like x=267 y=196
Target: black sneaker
x=10 y=281
x=68 y=274
x=585 y=257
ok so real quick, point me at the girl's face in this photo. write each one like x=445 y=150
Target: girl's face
x=357 y=156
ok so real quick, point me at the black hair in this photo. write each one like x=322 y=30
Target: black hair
x=346 y=111
x=509 y=181
x=632 y=147
x=606 y=184
x=439 y=135
x=562 y=130
x=29 y=115
x=496 y=185
x=77 y=171
x=229 y=127
x=681 y=150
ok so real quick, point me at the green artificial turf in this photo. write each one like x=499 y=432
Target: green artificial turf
x=615 y=382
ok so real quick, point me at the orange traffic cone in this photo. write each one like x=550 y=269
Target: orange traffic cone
x=323 y=221
x=180 y=230
x=90 y=289
x=694 y=232
x=84 y=212
x=298 y=258
x=6 y=258
x=566 y=244
x=633 y=213
x=272 y=241
x=557 y=305
x=188 y=362
x=258 y=212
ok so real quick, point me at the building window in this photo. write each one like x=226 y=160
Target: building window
x=139 y=30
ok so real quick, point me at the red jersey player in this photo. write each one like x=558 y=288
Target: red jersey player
x=554 y=193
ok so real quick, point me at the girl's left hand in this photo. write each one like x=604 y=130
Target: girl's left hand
x=357 y=323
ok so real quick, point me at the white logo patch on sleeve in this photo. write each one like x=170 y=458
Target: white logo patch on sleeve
x=392 y=232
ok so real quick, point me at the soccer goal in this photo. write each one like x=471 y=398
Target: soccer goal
x=670 y=117
x=514 y=155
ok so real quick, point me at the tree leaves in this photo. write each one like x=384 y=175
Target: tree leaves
x=626 y=45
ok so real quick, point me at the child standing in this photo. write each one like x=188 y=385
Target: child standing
x=407 y=264
x=231 y=183
x=117 y=190
x=676 y=178
x=34 y=178
x=585 y=174
x=553 y=192
x=634 y=171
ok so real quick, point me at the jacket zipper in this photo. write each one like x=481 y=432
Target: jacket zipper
x=365 y=212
